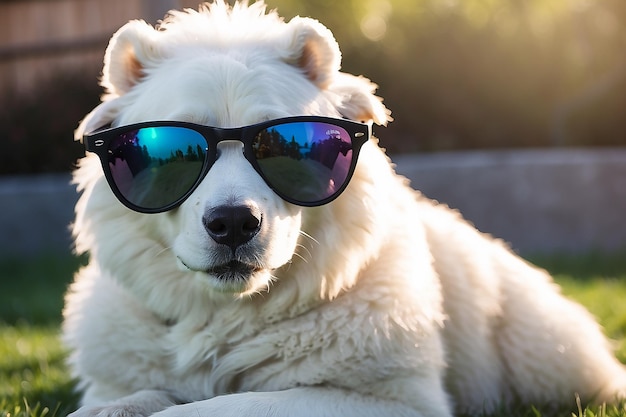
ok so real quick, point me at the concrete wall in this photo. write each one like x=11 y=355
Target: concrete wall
x=35 y=213
x=539 y=201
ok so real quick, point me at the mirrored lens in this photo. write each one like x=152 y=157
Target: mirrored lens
x=156 y=166
x=305 y=161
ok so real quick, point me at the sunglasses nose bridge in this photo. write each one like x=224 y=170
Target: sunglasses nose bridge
x=226 y=144
x=227 y=134
x=227 y=138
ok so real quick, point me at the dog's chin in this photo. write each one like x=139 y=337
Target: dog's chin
x=234 y=277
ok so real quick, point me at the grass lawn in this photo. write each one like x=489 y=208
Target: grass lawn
x=34 y=381
x=33 y=378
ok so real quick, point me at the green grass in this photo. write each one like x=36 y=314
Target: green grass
x=34 y=381
x=33 y=377
x=598 y=281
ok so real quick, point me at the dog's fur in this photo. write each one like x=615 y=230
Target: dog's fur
x=381 y=303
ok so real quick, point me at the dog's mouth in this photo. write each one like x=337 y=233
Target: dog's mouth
x=232 y=271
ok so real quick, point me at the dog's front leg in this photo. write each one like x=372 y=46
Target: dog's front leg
x=140 y=404
x=301 y=402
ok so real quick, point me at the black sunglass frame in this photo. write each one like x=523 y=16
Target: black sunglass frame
x=99 y=142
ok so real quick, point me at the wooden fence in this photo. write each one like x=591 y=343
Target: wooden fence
x=39 y=38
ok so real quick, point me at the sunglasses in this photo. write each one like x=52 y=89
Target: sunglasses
x=154 y=167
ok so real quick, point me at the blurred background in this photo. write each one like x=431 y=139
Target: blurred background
x=458 y=75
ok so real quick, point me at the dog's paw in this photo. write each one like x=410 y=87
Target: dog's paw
x=112 y=411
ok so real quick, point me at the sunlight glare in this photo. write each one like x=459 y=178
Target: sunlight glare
x=374 y=23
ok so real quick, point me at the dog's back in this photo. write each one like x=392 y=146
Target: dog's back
x=510 y=335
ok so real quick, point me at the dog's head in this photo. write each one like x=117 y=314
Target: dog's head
x=224 y=67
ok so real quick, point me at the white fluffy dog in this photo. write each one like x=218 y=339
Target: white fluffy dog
x=378 y=303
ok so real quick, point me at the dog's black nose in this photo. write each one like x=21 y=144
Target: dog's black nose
x=232 y=225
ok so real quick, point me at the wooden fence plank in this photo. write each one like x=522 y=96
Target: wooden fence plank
x=41 y=37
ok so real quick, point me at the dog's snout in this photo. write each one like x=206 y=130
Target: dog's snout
x=232 y=225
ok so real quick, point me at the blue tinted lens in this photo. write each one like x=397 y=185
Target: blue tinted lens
x=305 y=161
x=154 y=167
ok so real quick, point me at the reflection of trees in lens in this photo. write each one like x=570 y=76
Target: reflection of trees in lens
x=304 y=172
x=326 y=151
x=129 y=150
x=177 y=155
x=138 y=156
x=194 y=155
x=271 y=143
x=156 y=181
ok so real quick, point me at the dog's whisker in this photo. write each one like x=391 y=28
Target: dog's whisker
x=309 y=255
x=162 y=251
x=301 y=257
x=305 y=234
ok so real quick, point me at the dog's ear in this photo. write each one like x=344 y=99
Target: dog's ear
x=132 y=49
x=102 y=115
x=357 y=100
x=312 y=48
